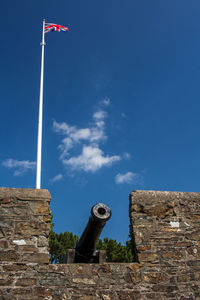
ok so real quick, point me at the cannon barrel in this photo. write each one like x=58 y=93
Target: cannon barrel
x=85 y=247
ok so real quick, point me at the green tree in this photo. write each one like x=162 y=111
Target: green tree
x=115 y=252
x=58 y=245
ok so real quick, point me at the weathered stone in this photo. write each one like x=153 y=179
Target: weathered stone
x=6 y=224
x=194 y=251
x=135 y=278
x=15 y=267
x=26 y=282
x=9 y=255
x=41 y=258
x=176 y=254
x=154 y=277
x=24 y=194
x=42 y=292
x=3 y=244
x=6 y=279
x=23 y=293
x=144 y=248
x=5 y=201
x=129 y=295
x=182 y=244
x=42 y=241
x=46 y=218
x=184 y=278
x=161 y=210
x=28 y=249
x=164 y=288
x=139 y=208
x=194 y=217
x=27 y=229
x=187 y=298
x=134 y=266
x=40 y=207
x=82 y=280
x=194 y=235
x=19 y=242
x=54 y=281
x=194 y=263
x=104 y=269
x=148 y=256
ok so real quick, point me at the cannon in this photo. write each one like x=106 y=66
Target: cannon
x=85 y=249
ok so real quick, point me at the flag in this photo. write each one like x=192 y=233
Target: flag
x=54 y=27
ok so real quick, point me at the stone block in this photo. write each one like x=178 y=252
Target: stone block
x=6 y=280
x=154 y=277
x=3 y=244
x=28 y=229
x=148 y=257
x=5 y=201
x=42 y=241
x=40 y=258
x=129 y=295
x=40 y=207
x=173 y=255
x=195 y=235
x=9 y=255
x=15 y=267
x=26 y=282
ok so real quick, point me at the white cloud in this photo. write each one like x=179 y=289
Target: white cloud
x=90 y=160
x=73 y=135
x=99 y=115
x=91 y=157
x=20 y=166
x=61 y=127
x=125 y=178
x=106 y=101
x=126 y=155
x=57 y=178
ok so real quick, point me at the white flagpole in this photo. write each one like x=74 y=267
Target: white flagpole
x=39 y=141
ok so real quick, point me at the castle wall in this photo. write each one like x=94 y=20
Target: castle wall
x=166 y=227
x=24 y=225
x=168 y=253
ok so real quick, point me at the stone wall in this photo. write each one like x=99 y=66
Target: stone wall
x=24 y=225
x=166 y=245
x=92 y=281
x=166 y=227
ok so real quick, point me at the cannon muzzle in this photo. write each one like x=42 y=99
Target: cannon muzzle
x=85 y=247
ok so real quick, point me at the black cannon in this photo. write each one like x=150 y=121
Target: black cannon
x=85 y=249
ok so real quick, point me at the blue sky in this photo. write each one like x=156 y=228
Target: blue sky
x=121 y=103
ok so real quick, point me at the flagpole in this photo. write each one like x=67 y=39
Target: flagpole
x=39 y=141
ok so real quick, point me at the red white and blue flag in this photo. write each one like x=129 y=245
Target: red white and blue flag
x=54 y=27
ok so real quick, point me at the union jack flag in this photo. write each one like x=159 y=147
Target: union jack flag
x=54 y=27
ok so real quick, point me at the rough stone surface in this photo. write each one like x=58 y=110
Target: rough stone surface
x=93 y=281
x=166 y=243
x=24 y=233
x=166 y=227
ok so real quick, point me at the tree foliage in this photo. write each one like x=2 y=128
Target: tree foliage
x=58 y=245
x=115 y=252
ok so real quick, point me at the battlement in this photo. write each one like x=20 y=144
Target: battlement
x=24 y=225
x=165 y=227
x=166 y=240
